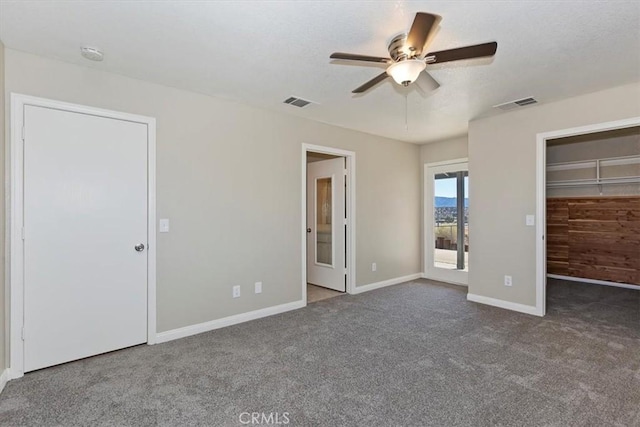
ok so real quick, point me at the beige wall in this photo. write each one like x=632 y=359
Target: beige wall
x=502 y=165
x=448 y=149
x=597 y=146
x=229 y=177
x=439 y=151
x=3 y=312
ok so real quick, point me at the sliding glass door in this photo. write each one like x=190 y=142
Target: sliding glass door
x=447 y=222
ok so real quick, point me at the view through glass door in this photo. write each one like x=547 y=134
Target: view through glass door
x=447 y=222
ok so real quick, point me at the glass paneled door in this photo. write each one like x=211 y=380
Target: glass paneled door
x=326 y=224
x=447 y=222
x=324 y=221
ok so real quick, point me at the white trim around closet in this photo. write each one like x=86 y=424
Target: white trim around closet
x=541 y=195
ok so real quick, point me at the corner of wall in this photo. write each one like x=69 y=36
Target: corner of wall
x=3 y=309
x=503 y=164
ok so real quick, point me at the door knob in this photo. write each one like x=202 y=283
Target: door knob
x=139 y=247
x=308 y=230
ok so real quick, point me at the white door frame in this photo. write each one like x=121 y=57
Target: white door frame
x=427 y=225
x=351 y=213
x=14 y=245
x=541 y=196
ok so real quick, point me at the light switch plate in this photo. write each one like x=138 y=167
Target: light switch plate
x=164 y=226
x=530 y=220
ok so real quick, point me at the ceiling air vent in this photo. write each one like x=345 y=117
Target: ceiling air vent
x=515 y=104
x=298 y=102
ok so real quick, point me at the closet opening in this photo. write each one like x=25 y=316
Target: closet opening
x=593 y=221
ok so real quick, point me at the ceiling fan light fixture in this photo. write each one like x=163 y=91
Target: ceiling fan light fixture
x=407 y=59
x=406 y=72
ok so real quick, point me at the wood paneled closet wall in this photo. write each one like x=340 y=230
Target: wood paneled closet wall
x=594 y=238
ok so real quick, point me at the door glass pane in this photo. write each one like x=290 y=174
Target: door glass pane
x=324 y=231
x=451 y=232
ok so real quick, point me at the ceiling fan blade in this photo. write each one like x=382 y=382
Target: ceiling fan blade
x=467 y=52
x=354 y=57
x=426 y=83
x=371 y=83
x=421 y=30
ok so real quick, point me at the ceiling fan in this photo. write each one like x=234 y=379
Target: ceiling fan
x=407 y=63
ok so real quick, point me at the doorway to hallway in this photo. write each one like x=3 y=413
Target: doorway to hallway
x=329 y=232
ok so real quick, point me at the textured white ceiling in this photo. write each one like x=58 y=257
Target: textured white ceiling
x=261 y=52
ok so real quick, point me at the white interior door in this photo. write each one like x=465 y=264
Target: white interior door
x=85 y=211
x=446 y=222
x=326 y=224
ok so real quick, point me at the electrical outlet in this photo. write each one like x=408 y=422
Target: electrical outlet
x=258 y=287
x=236 y=291
x=374 y=267
x=508 y=281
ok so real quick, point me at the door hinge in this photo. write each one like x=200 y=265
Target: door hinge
x=22 y=133
x=345 y=172
x=22 y=333
x=345 y=221
x=22 y=233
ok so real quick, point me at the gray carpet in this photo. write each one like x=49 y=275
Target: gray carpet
x=416 y=354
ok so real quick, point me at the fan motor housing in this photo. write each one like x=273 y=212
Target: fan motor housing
x=397 y=48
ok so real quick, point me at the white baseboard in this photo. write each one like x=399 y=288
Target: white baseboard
x=593 y=281
x=187 y=331
x=449 y=282
x=378 y=285
x=527 y=309
x=4 y=379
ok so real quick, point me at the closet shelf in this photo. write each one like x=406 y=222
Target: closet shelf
x=601 y=181
x=591 y=164
x=597 y=165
